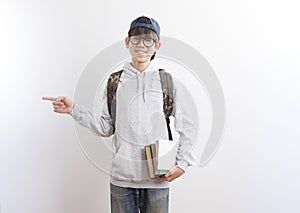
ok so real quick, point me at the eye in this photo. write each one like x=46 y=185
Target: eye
x=149 y=42
x=148 y=39
x=135 y=39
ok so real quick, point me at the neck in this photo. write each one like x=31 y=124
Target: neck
x=140 y=66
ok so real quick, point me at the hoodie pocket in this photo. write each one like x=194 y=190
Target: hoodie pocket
x=129 y=163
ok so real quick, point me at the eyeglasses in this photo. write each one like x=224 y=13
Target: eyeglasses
x=148 y=42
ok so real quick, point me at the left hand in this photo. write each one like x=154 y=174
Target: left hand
x=173 y=173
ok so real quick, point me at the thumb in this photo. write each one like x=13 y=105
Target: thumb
x=170 y=172
x=60 y=98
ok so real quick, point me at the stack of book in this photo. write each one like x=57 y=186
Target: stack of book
x=160 y=157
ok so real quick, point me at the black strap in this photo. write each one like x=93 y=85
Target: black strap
x=169 y=129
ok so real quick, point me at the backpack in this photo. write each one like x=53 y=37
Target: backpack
x=167 y=89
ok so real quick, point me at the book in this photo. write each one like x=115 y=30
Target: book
x=161 y=157
x=166 y=155
x=150 y=161
x=154 y=157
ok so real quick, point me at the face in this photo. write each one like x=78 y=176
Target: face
x=142 y=47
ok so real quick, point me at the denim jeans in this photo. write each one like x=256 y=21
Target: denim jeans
x=131 y=200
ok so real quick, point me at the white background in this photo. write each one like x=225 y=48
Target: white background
x=253 y=46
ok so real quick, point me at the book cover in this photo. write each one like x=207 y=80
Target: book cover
x=150 y=161
x=166 y=155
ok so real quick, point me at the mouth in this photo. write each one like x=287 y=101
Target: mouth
x=141 y=52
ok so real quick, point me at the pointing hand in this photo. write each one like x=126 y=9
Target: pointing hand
x=62 y=104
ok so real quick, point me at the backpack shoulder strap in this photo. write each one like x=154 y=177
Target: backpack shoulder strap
x=112 y=85
x=167 y=89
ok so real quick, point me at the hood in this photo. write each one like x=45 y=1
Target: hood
x=145 y=78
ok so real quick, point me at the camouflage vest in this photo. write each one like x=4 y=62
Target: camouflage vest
x=167 y=89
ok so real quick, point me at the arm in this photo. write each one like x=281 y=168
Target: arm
x=185 y=127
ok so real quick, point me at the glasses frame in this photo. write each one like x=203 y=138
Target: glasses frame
x=144 y=38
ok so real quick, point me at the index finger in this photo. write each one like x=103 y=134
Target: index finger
x=49 y=98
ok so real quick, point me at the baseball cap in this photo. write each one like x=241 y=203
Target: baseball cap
x=152 y=26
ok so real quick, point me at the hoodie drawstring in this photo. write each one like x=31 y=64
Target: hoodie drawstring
x=144 y=87
x=141 y=77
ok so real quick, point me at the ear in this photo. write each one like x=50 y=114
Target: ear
x=127 y=42
x=157 y=45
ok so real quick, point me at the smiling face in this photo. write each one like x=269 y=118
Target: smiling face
x=142 y=47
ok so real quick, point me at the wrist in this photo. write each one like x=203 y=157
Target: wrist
x=71 y=110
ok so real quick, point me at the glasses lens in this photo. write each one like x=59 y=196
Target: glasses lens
x=135 y=39
x=148 y=42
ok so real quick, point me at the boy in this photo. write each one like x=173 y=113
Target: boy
x=139 y=121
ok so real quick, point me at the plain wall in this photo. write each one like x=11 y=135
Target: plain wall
x=253 y=47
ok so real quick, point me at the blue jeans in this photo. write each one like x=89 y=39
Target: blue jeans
x=131 y=200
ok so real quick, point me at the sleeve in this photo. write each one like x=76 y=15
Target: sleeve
x=99 y=124
x=183 y=124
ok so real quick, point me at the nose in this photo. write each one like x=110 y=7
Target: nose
x=141 y=42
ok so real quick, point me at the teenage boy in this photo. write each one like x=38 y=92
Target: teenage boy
x=139 y=121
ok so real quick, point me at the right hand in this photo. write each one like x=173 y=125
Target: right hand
x=62 y=104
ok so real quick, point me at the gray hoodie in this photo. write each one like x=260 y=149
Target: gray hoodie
x=139 y=122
